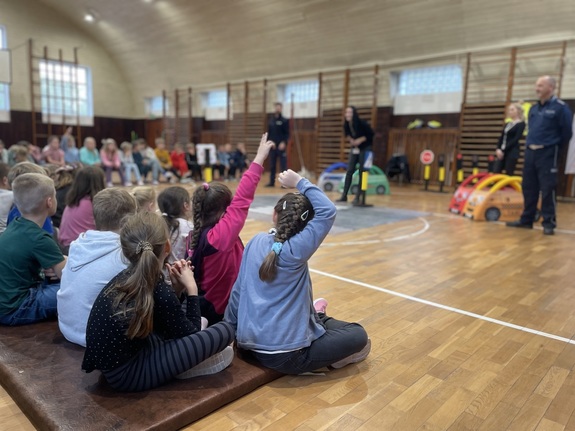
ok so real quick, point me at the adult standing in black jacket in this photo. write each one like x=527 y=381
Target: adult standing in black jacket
x=360 y=136
x=507 y=151
x=278 y=133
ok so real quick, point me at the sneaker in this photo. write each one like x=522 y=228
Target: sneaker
x=110 y=185
x=128 y=184
x=320 y=305
x=269 y=185
x=548 y=231
x=342 y=199
x=204 y=323
x=356 y=357
x=155 y=183
x=517 y=223
x=212 y=365
x=140 y=183
x=186 y=180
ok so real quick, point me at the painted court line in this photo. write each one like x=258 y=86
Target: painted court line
x=447 y=308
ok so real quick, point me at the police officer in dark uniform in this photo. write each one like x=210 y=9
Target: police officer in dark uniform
x=278 y=133
x=550 y=125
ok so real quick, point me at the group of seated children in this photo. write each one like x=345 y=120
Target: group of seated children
x=229 y=162
x=133 y=161
x=153 y=297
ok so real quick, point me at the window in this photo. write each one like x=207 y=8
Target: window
x=155 y=107
x=216 y=99
x=4 y=87
x=301 y=91
x=66 y=92
x=430 y=80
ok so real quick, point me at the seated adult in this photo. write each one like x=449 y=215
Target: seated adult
x=89 y=154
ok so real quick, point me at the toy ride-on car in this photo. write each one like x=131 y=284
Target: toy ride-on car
x=463 y=192
x=377 y=182
x=496 y=197
x=329 y=178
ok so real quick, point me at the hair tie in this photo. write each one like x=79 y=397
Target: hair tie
x=284 y=205
x=206 y=186
x=304 y=215
x=273 y=231
x=277 y=247
x=143 y=246
x=165 y=214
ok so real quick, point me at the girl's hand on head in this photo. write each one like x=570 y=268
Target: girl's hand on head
x=263 y=149
x=289 y=179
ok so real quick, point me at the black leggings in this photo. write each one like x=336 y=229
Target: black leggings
x=161 y=360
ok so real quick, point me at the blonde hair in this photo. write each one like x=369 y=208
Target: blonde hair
x=126 y=145
x=24 y=168
x=111 y=206
x=144 y=195
x=30 y=191
x=519 y=108
x=107 y=142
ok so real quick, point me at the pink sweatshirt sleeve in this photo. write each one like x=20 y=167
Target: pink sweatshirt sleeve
x=226 y=232
x=105 y=159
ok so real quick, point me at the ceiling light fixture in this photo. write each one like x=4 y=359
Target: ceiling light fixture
x=91 y=15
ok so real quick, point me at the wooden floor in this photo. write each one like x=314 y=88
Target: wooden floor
x=470 y=323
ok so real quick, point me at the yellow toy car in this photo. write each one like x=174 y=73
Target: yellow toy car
x=497 y=197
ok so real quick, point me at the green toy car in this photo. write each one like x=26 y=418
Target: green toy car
x=377 y=183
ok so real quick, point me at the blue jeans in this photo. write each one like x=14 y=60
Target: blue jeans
x=340 y=340
x=39 y=305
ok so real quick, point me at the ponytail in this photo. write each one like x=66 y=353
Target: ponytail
x=143 y=239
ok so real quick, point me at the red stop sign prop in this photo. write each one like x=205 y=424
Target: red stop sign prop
x=426 y=157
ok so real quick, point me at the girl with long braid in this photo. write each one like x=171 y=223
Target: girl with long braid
x=215 y=248
x=271 y=305
x=138 y=334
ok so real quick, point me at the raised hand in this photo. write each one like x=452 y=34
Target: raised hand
x=289 y=179
x=263 y=149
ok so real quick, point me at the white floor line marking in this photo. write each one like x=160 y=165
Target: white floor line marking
x=446 y=307
x=410 y=235
x=426 y=226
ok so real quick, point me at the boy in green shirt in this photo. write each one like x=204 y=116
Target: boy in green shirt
x=26 y=250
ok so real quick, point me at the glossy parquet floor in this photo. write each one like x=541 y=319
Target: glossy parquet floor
x=471 y=326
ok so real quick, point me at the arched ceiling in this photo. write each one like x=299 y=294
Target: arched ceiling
x=163 y=44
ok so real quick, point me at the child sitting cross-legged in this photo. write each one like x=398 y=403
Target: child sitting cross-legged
x=138 y=334
x=93 y=260
x=271 y=304
x=27 y=249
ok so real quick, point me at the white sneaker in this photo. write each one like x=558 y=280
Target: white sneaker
x=140 y=183
x=110 y=185
x=212 y=365
x=204 y=323
x=356 y=357
x=128 y=184
x=155 y=183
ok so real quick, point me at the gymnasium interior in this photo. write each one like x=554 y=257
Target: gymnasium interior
x=471 y=322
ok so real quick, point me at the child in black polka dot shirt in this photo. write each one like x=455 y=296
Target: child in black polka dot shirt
x=138 y=334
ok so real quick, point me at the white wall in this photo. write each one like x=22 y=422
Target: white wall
x=25 y=19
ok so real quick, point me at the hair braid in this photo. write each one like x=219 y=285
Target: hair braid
x=289 y=223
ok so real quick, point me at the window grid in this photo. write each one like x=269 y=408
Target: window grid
x=4 y=88
x=215 y=99
x=66 y=89
x=431 y=80
x=302 y=91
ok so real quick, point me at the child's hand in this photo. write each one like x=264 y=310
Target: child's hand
x=182 y=277
x=289 y=179
x=263 y=150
